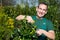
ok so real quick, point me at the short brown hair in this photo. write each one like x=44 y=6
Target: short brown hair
x=43 y=3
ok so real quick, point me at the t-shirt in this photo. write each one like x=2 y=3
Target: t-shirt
x=44 y=24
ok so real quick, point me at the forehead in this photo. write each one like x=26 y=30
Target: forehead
x=43 y=6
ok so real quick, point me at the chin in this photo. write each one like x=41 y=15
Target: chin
x=41 y=16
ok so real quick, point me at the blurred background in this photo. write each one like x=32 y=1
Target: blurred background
x=10 y=9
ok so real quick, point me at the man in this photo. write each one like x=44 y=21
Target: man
x=44 y=26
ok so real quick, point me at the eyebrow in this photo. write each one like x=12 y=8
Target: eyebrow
x=43 y=9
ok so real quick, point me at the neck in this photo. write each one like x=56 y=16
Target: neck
x=39 y=17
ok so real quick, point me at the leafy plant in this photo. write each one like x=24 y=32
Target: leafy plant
x=25 y=30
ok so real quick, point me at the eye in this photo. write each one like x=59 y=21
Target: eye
x=44 y=10
x=40 y=8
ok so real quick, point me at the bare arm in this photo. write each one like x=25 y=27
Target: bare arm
x=20 y=17
x=28 y=18
x=50 y=34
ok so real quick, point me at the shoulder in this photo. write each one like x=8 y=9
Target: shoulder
x=33 y=17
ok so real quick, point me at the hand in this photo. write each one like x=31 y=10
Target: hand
x=29 y=19
x=39 y=32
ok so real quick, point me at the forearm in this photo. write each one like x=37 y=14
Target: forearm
x=20 y=17
x=49 y=34
x=28 y=18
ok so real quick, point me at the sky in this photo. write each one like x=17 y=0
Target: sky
x=35 y=2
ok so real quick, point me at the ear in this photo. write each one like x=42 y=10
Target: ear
x=46 y=12
x=36 y=8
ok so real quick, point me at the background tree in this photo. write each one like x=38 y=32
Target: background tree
x=7 y=2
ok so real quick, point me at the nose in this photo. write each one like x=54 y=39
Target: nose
x=40 y=10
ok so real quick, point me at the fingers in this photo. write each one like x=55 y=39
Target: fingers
x=29 y=19
x=39 y=32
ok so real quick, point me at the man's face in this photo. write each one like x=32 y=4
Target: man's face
x=41 y=10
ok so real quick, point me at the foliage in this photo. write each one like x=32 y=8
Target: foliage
x=11 y=29
x=24 y=30
x=6 y=25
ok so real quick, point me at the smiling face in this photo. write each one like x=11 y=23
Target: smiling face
x=41 y=10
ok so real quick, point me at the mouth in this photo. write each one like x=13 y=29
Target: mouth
x=41 y=13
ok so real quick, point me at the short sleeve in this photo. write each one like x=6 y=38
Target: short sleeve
x=50 y=26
